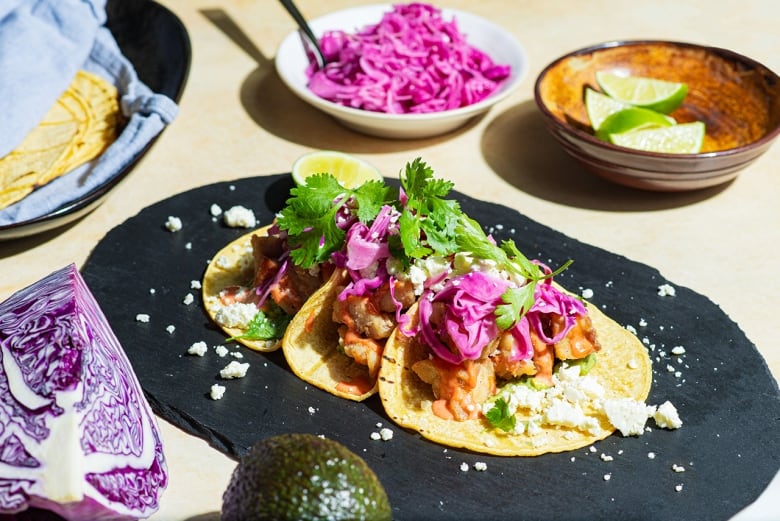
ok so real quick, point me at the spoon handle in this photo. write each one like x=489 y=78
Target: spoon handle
x=291 y=8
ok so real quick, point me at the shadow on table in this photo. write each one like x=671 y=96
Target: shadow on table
x=210 y=516
x=518 y=147
x=17 y=245
x=275 y=108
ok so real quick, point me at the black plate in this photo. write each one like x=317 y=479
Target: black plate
x=725 y=394
x=158 y=46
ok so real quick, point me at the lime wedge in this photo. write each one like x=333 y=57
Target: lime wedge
x=685 y=138
x=632 y=118
x=659 y=95
x=349 y=170
x=600 y=106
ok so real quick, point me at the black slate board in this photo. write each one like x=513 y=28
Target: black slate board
x=726 y=396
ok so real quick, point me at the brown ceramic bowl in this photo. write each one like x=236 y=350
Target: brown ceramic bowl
x=737 y=98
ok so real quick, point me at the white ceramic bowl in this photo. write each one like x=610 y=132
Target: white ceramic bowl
x=499 y=44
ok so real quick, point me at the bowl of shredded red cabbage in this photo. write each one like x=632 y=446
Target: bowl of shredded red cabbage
x=403 y=70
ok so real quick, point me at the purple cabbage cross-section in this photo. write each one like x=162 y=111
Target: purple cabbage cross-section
x=77 y=436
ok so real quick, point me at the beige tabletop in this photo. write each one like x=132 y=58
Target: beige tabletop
x=238 y=120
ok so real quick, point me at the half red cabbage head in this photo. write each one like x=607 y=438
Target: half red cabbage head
x=77 y=436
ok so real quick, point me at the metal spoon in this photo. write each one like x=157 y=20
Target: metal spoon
x=291 y=8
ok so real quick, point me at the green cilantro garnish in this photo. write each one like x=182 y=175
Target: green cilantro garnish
x=428 y=220
x=270 y=326
x=516 y=301
x=310 y=215
x=500 y=416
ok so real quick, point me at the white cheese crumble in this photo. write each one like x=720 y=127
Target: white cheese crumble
x=464 y=467
x=188 y=299
x=170 y=329
x=215 y=210
x=238 y=315
x=198 y=349
x=142 y=317
x=607 y=477
x=224 y=262
x=217 y=392
x=480 y=466
x=666 y=290
x=678 y=350
x=667 y=417
x=195 y=284
x=627 y=415
x=234 y=370
x=221 y=351
x=173 y=224
x=384 y=434
x=678 y=468
x=587 y=293
x=678 y=488
x=239 y=217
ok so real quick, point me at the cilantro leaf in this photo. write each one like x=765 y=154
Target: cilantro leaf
x=264 y=326
x=428 y=221
x=500 y=416
x=309 y=216
x=517 y=301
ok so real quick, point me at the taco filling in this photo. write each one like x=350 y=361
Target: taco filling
x=252 y=289
x=498 y=358
x=336 y=342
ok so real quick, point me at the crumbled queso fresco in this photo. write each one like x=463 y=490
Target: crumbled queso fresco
x=173 y=224
x=239 y=217
x=575 y=401
x=217 y=392
x=234 y=370
x=237 y=315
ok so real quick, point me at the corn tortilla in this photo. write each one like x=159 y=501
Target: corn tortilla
x=233 y=265
x=624 y=370
x=311 y=343
x=82 y=123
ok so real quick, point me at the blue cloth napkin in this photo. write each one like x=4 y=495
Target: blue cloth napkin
x=43 y=43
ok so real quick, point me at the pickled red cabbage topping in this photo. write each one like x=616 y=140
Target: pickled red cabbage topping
x=459 y=321
x=77 y=436
x=465 y=317
x=412 y=61
x=366 y=253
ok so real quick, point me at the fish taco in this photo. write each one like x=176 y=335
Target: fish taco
x=513 y=397
x=252 y=289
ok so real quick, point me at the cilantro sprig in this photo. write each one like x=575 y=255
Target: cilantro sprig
x=265 y=326
x=517 y=301
x=501 y=417
x=428 y=220
x=309 y=216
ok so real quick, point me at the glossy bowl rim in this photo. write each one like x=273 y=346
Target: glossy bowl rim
x=766 y=139
x=377 y=117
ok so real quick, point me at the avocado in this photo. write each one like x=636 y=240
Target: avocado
x=303 y=477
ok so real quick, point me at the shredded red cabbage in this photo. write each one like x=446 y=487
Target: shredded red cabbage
x=412 y=61
x=468 y=321
x=550 y=300
x=366 y=252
